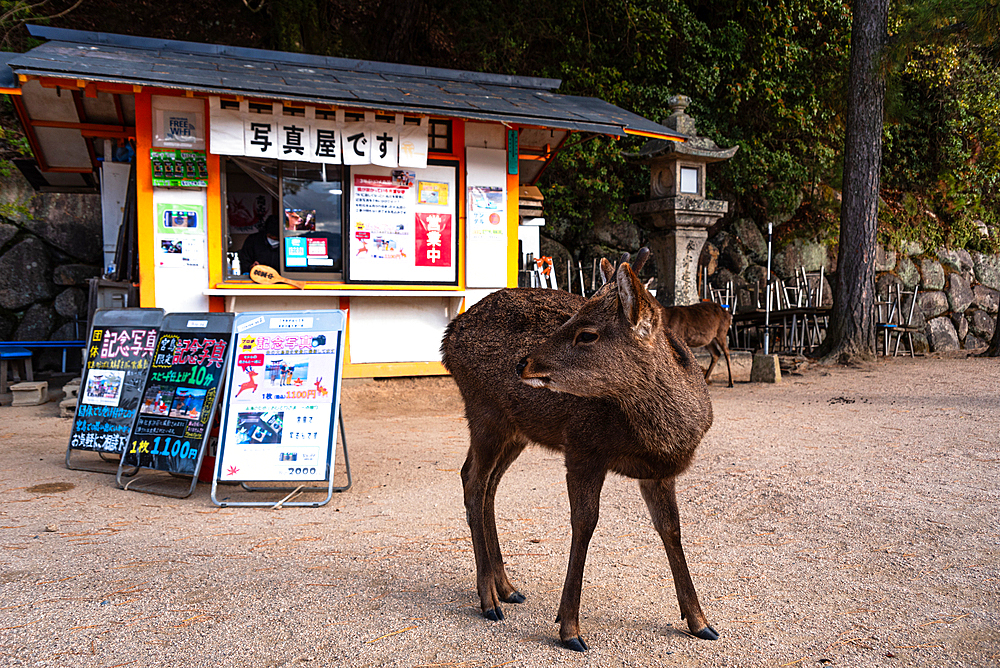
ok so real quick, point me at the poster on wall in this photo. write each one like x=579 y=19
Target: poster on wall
x=180 y=395
x=282 y=399
x=119 y=352
x=487 y=215
x=180 y=236
x=402 y=225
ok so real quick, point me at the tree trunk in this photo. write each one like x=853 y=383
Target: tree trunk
x=994 y=349
x=851 y=335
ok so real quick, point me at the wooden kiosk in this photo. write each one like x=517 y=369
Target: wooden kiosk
x=394 y=188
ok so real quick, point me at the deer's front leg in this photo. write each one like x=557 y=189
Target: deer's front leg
x=661 y=499
x=584 y=488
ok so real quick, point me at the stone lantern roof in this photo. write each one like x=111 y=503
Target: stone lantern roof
x=700 y=149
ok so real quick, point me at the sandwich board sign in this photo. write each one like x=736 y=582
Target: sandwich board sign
x=119 y=351
x=178 y=403
x=282 y=403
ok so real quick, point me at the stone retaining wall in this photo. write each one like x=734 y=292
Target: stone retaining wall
x=50 y=244
x=959 y=290
x=959 y=293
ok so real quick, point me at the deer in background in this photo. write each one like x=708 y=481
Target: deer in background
x=703 y=324
x=602 y=380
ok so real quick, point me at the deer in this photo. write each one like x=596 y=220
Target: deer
x=703 y=324
x=250 y=384
x=603 y=381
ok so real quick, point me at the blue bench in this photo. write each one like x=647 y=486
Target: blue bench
x=11 y=348
x=10 y=354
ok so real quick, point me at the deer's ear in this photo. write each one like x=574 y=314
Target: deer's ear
x=634 y=302
x=607 y=269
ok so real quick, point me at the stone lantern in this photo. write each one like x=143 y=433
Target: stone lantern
x=677 y=212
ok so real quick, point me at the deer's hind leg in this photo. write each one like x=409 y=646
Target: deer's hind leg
x=661 y=499
x=717 y=347
x=490 y=455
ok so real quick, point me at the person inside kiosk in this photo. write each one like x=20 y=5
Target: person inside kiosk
x=261 y=247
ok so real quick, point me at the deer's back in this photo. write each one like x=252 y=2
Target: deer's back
x=699 y=323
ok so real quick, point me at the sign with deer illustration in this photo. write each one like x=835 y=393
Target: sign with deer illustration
x=280 y=416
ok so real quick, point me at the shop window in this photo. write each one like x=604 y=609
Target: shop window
x=294 y=111
x=288 y=215
x=439 y=136
x=229 y=104
x=260 y=108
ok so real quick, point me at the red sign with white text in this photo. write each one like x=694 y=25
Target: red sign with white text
x=433 y=240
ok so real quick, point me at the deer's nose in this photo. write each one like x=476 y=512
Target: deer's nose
x=520 y=365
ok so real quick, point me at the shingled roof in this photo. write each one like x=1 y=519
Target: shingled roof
x=227 y=70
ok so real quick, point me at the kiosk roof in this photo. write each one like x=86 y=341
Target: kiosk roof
x=227 y=70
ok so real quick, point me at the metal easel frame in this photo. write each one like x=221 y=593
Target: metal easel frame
x=245 y=324
x=294 y=491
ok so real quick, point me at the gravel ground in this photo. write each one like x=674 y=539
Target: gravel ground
x=844 y=517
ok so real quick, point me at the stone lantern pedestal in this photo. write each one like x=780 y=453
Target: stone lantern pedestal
x=677 y=213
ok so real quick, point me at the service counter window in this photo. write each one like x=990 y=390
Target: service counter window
x=286 y=215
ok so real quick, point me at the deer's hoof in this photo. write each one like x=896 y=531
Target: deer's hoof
x=707 y=633
x=516 y=597
x=494 y=614
x=576 y=644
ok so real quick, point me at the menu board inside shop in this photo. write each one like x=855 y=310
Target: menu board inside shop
x=181 y=393
x=119 y=352
x=279 y=423
x=402 y=225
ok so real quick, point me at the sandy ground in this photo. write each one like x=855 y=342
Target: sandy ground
x=845 y=517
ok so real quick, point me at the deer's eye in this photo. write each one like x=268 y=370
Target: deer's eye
x=585 y=336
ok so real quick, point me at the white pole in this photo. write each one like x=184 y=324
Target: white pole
x=767 y=293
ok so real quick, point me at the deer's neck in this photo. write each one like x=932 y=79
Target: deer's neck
x=669 y=409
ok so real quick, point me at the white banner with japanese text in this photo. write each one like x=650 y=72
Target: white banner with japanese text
x=236 y=130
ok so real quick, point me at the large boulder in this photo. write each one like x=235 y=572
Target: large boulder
x=956 y=260
x=7 y=232
x=932 y=304
x=986 y=298
x=972 y=342
x=932 y=275
x=71 y=303
x=731 y=255
x=24 y=275
x=961 y=325
x=908 y=273
x=71 y=223
x=987 y=269
x=38 y=322
x=942 y=335
x=616 y=234
x=754 y=242
x=982 y=324
x=959 y=293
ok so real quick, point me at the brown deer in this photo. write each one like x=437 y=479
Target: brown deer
x=703 y=324
x=602 y=380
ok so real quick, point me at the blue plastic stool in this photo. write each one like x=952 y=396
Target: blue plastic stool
x=14 y=355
